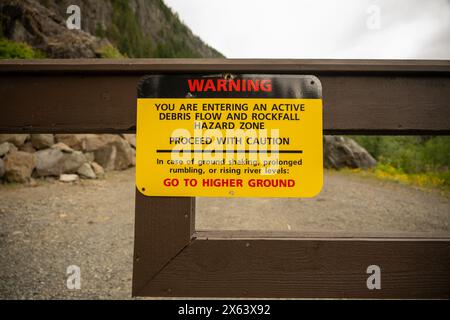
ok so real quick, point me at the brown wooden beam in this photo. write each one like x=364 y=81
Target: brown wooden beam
x=305 y=268
x=163 y=228
x=360 y=96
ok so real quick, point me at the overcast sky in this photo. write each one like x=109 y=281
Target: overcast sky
x=377 y=29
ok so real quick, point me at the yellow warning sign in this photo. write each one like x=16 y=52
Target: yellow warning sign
x=229 y=147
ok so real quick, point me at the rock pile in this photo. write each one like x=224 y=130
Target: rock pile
x=66 y=156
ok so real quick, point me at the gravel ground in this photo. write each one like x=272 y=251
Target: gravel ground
x=46 y=228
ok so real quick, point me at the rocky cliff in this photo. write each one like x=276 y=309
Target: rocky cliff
x=137 y=28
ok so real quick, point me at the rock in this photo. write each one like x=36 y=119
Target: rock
x=49 y=162
x=90 y=156
x=86 y=171
x=18 y=166
x=4 y=148
x=74 y=141
x=16 y=139
x=42 y=141
x=130 y=138
x=92 y=142
x=124 y=155
x=98 y=170
x=62 y=147
x=116 y=155
x=68 y=177
x=2 y=168
x=106 y=156
x=72 y=161
x=27 y=147
x=342 y=152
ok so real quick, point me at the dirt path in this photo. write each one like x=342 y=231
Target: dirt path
x=46 y=228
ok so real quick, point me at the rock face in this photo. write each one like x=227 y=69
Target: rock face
x=31 y=22
x=340 y=152
x=155 y=21
x=42 y=25
x=18 y=166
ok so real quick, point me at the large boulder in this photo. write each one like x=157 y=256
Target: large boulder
x=18 y=166
x=49 y=162
x=106 y=156
x=340 y=152
x=42 y=141
x=16 y=139
x=73 y=161
x=54 y=162
x=116 y=155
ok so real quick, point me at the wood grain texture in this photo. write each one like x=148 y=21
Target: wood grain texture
x=305 y=268
x=360 y=96
x=163 y=227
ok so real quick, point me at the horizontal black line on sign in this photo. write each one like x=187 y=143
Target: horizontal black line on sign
x=232 y=151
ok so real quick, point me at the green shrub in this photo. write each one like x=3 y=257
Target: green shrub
x=110 y=52
x=16 y=50
x=413 y=156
